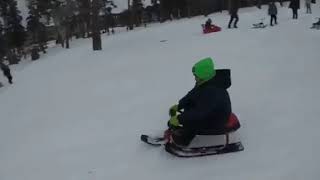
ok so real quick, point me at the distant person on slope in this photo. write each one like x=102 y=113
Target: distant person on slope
x=308 y=6
x=233 y=11
x=206 y=107
x=294 y=5
x=273 y=11
x=6 y=71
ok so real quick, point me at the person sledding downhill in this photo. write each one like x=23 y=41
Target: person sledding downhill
x=208 y=27
x=205 y=110
x=208 y=24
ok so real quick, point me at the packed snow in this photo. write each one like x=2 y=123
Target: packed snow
x=77 y=114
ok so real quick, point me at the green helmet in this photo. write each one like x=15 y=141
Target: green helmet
x=204 y=69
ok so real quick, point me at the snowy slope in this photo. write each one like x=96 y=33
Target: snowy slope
x=77 y=114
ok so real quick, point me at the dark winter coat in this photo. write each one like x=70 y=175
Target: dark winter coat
x=294 y=4
x=272 y=9
x=5 y=69
x=234 y=7
x=206 y=107
x=208 y=24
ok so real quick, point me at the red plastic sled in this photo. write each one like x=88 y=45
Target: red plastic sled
x=233 y=123
x=212 y=29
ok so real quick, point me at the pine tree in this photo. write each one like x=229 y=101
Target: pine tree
x=84 y=17
x=97 y=7
x=137 y=9
x=107 y=6
x=137 y=4
x=14 y=31
x=45 y=7
x=156 y=8
x=96 y=36
x=166 y=7
x=3 y=43
x=181 y=6
x=129 y=16
x=35 y=26
x=108 y=20
x=4 y=11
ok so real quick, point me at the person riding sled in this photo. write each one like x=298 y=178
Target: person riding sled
x=208 y=24
x=206 y=107
x=208 y=27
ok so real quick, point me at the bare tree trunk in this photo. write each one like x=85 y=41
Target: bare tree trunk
x=96 y=38
x=130 y=17
x=88 y=25
x=67 y=37
x=82 y=29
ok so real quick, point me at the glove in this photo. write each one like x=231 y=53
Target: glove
x=173 y=110
x=174 y=122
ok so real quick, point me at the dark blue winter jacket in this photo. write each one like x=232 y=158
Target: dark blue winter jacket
x=205 y=107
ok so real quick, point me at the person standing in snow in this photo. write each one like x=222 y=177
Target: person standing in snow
x=308 y=6
x=272 y=11
x=294 y=5
x=6 y=71
x=233 y=11
x=206 y=107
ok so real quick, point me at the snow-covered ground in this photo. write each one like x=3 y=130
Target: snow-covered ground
x=77 y=114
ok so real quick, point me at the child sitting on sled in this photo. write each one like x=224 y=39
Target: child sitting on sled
x=207 y=107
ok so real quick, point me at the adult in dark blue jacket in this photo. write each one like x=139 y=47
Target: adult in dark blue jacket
x=205 y=107
x=273 y=11
x=233 y=11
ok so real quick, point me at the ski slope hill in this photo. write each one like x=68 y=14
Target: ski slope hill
x=78 y=114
